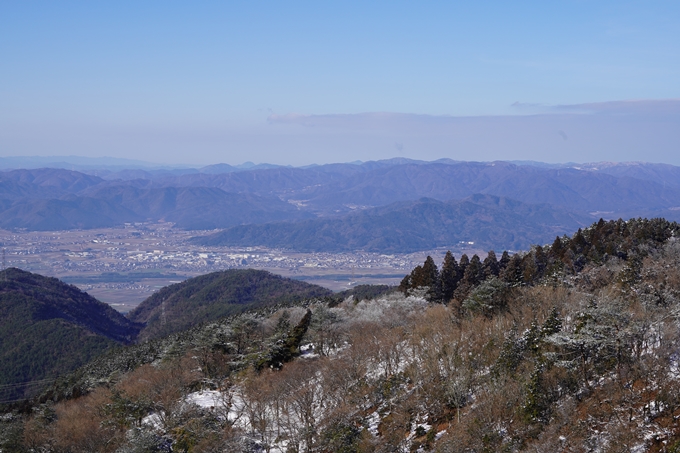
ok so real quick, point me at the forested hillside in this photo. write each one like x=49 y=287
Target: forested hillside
x=569 y=347
x=209 y=297
x=411 y=226
x=48 y=328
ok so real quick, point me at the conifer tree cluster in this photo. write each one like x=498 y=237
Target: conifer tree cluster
x=567 y=255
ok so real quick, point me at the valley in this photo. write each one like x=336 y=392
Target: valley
x=123 y=266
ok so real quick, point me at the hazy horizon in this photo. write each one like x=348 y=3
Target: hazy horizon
x=300 y=84
x=82 y=163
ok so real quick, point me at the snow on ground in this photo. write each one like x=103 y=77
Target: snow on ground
x=373 y=423
x=207 y=399
x=153 y=421
x=307 y=351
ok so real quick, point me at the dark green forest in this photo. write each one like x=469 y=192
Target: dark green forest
x=48 y=328
x=208 y=297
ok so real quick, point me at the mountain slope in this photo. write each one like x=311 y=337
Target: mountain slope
x=48 y=328
x=63 y=214
x=567 y=187
x=218 y=294
x=415 y=225
x=44 y=182
x=660 y=173
x=198 y=207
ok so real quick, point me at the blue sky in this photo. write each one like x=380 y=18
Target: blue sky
x=315 y=82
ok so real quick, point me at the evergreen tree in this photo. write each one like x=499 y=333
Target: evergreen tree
x=512 y=274
x=463 y=264
x=464 y=285
x=474 y=271
x=578 y=243
x=425 y=276
x=418 y=277
x=431 y=280
x=450 y=276
x=552 y=324
x=491 y=266
x=541 y=260
x=430 y=273
x=406 y=284
x=505 y=259
x=557 y=249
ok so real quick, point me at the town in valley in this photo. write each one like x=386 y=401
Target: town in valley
x=123 y=266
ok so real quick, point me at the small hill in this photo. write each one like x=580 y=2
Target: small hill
x=49 y=328
x=486 y=220
x=215 y=295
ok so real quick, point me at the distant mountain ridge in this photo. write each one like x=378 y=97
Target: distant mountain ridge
x=410 y=226
x=223 y=196
x=198 y=208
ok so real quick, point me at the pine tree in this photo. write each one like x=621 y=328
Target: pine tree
x=406 y=284
x=552 y=324
x=541 y=259
x=529 y=269
x=463 y=287
x=578 y=243
x=418 y=277
x=425 y=276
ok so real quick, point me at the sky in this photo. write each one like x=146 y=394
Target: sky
x=304 y=82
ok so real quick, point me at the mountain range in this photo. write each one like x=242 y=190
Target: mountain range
x=409 y=226
x=333 y=199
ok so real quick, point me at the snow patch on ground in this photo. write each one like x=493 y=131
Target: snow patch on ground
x=307 y=351
x=207 y=399
x=373 y=423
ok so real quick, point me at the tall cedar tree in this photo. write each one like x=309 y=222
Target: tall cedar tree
x=463 y=264
x=426 y=275
x=512 y=273
x=557 y=249
x=505 y=259
x=450 y=276
x=491 y=266
x=474 y=272
x=431 y=279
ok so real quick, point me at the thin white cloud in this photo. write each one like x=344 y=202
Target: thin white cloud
x=632 y=107
x=380 y=120
x=645 y=130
